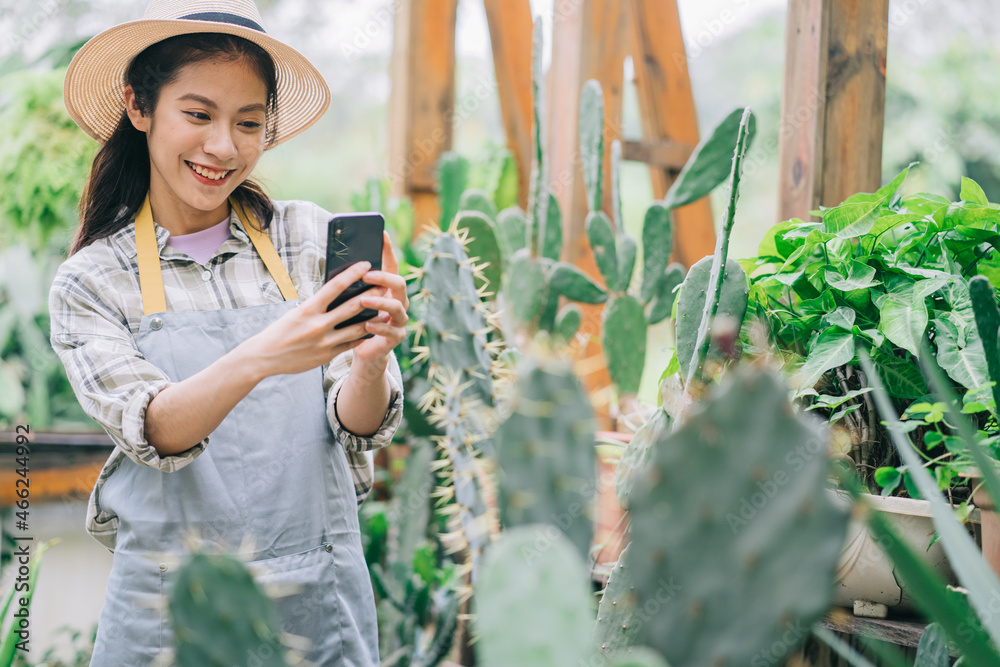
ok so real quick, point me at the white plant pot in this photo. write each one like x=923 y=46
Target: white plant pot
x=866 y=582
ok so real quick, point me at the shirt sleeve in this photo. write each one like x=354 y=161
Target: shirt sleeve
x=334 y=377
x=112 y=380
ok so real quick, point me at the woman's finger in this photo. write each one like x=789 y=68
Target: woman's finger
x=393 y=284
x=389 y=262
x=388 y=305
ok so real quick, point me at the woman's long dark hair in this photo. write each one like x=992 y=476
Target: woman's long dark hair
x=119 y=177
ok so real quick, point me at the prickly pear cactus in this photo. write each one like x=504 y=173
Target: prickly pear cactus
x=657 y=244
x=512 y=231
x=734 y=510
x=476 y=199
x=639 y=453
x=568 y=322
x=220 y=616
x=662 y=304
x=592 y=142
x=601 y=236
x=452 y=176
x=691 y=300
x=617 y=622
x=546 y=453
x=623 y=334
x=483 y=247
x=533 y=603
x=984 y=304
x=571 y=282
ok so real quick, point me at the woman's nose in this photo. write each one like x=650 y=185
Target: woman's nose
x=220 y=143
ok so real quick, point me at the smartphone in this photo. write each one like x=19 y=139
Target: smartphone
x=352 y=238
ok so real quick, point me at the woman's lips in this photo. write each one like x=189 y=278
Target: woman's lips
x=209 y=176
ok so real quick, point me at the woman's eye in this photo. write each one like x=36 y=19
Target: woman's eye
x=253 y=125
x=197 y=114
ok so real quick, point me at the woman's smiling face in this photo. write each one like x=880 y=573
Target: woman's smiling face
x=205 y=137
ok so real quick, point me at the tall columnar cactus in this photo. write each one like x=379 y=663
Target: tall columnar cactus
x=722 y=272
x=546 y=453
x=220 y=616
x=457 y=326
x=748 y=558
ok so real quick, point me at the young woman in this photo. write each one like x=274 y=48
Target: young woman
x=191 y=319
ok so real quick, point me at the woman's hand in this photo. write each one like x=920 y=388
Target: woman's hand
x=389 y=326
x=304 y=337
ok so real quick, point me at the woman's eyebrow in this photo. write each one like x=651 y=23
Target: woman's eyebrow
x=212 y=105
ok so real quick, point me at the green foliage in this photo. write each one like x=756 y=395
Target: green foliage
x=701 y=553
x=453 y=176
x=12 y=634
x=546 y=453
x=44 y=160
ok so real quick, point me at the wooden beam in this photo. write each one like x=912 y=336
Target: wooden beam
x=422 y=101
x=511 y=40
x=664 y=154
x=833 y=103
x=666 y=106
x=589 y=41
x=47 y=484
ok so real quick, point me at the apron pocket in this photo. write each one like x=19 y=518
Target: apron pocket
x=303 y=594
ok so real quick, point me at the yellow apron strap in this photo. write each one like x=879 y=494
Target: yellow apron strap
x=267 y=253
x=148 y=257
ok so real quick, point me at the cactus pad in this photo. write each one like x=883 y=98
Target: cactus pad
x=617 y=622
x=220 y=615
x=512 y=230
x=691 y=304
x=533 y=604
x=482 y=245
x=755 y=551
x=663 y=299
x=572 y=283
x=524 y=287
x=623 y=334
x=639 y=452
x=627 y=251
x=452 y=175
x=568 y=322
x=657 y=244
x=602 y=241
x=476 y=199
x=546 y=451
x=592 y=142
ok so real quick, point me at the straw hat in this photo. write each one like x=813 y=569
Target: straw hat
x=96 y=76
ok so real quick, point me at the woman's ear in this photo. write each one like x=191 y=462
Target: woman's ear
x=139 y=121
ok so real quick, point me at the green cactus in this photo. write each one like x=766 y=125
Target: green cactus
x=623 y=334
x=592 y=142
x=552 y=241
x=601 y=236
x=571 y=282
x=752 y=555
x=533 y=603
x=627 y=251
x=483 y=247
x=616 y=628
x=476 y=199
x=691 y=300
x=616 y=197
x=720 y=268
x=568 y=322
x=662 y=304
x=512 y=231
x=454 y=320
x=538 y=194
x=452 y=176
x=984 y=304
x=219 y=615
x=639 y=453
x=505 y=193
x=546 y=453
x=657 y=244
x=525 y=287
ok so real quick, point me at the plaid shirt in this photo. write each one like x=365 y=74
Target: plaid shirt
x=95 y=306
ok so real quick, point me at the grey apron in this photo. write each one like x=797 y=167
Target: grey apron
x=273 y=479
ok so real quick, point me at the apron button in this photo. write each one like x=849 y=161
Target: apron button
x=156 y=324
x=329 y=548
x=163 y=567
x=206 y=275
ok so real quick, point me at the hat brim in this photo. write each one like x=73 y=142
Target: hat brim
x=95 y=78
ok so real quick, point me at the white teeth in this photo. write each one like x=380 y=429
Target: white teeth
x=208 y=173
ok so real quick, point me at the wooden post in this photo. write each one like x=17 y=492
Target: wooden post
x=589 y=41
x=667 y=109
x=422 y=101
x=833 y=103
x=510 y=37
